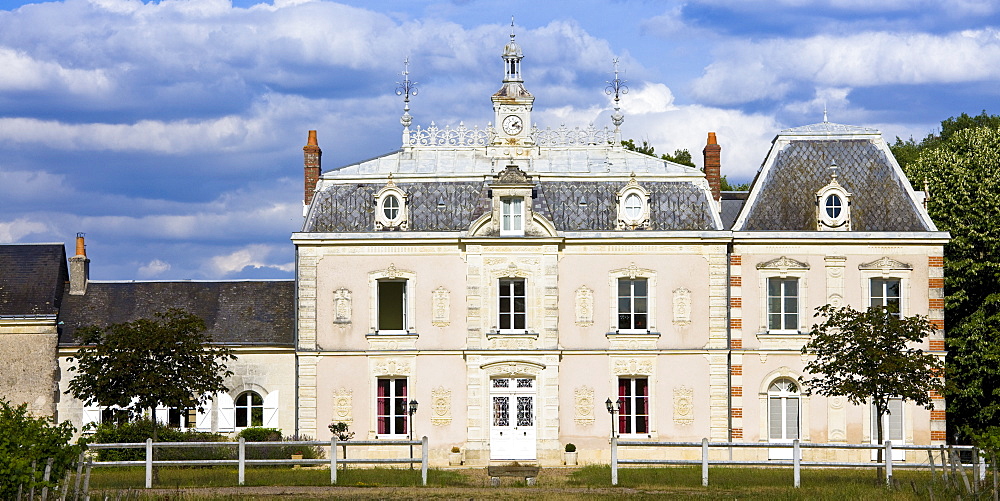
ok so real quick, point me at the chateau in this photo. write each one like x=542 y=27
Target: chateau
x=513 y=280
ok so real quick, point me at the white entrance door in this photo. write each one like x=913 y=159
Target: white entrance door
x=512 y=423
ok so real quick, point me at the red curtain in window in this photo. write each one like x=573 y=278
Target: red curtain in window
x=383 y=406
x=623 y=403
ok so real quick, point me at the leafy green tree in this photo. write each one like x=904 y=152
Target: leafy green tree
x=25 y=440
x=165 y=361
x=725 y=185
x=682 y=157
x=962 y=174
x=907 y=152
x=868 y=356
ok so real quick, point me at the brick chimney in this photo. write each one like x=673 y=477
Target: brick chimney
x=79 y=268
x=313 y=160
x=713 y=166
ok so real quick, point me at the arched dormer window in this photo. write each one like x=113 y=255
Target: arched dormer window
x=833 y=206
x=633 y=206
x=391 y=208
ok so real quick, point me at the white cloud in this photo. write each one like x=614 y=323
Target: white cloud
x=254 y=256
x=23 y=72
x=766 y=70
x=14 y=231
x=153 y=268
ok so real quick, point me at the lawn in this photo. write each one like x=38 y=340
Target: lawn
x=553 y=483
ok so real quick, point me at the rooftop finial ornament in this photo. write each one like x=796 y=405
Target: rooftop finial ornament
x=617 y=88
x=825 y=120
x=833 y=168
x=406 y=88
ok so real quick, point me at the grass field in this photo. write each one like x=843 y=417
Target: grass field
x=553 y=483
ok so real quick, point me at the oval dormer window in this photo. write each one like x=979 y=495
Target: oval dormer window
x=834 y=206
x=390 y=207
x=633 y=206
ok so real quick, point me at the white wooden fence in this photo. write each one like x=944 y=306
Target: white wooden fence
x=949 y=455
x=241 y=462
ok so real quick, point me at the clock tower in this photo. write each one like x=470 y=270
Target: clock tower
x=512 y=104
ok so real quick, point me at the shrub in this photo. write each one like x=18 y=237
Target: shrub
x=570 y=448
x=139 y=431
x=25 y=439
x=456 y=449
x=258 y=434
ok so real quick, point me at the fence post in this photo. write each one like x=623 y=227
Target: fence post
x=149 y=463
x=333 y=460
x=977 y=474
x=614 y=460
x=888 y=463
x=704 y=462
x=423 y=459
x=45 y=479
x=796 y=461
x=243 y=459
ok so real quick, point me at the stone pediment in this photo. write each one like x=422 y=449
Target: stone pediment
x=783 y=263
x=512 y=175
x=885 y=264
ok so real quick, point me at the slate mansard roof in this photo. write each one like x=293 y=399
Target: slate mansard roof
x=32 y=279
x=239 y=312
x=782 y=197
x=448 y=189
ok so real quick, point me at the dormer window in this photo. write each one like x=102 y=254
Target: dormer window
x=512 y=216
x=633 y=206
x=833 y=206
x=390 y=208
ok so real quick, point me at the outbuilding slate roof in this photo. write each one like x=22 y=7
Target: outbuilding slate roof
x=32 y=279
x=243 y=312
x=783 y=198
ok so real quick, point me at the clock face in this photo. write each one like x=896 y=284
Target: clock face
x=512 y=125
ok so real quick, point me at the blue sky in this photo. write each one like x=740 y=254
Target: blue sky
x=171 y=132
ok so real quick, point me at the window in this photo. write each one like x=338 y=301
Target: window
x=114 y=415
x=513 y=305
x=183 y=418
x=885 y=293
x=392 y=305
x=783 y=410
x=391 y=407
x=249 y=409
x=833 y=205
x=892 y=422
x=633 y=206
x=783 y=304
x=390 y=208
x=633 y=401
x=512 y=216
x=632 y=304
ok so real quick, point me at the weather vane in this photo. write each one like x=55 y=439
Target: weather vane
x=617 y=88
x=406 y=88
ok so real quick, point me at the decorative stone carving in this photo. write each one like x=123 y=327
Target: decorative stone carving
x=342 y=406
x=512 y=175
x=584 y=306
x=633 y=341
x=682 y=306
x=885 y=265
x=683 y=405
x=633 y=367
x=392 y=367
x=512 y=369
x=782 y=265
x=391 y=272
x=342 y=306
x=441 y=307
x=633 y=271
x=512 y=341
x=583 y=399
x=440 y=406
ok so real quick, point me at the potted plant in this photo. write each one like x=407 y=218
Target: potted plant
x=455 y=458
x=569 y=457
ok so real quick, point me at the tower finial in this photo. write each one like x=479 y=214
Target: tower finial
x=406 y=88
x=511 y=28
x=825 y=120
x=617 y=88
x=833 y=168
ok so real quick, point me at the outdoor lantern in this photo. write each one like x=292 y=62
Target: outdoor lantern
x=413 y=406
x=608 y=403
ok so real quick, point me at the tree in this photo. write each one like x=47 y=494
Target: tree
x=26 y=441
x=907 y=152
x=962 y=174
x=867 y=356
x=166 y=361
x=682 y=157
x=725 y=185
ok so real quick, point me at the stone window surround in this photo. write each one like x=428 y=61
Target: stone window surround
x=624 y=222
x=766 y=382
x=401 y=221
x=887 y=268
x=632 y=272
x=782 y=267
x=391 y=273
